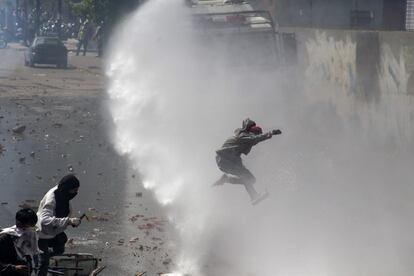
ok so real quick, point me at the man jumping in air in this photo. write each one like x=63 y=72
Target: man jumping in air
x=229 y=157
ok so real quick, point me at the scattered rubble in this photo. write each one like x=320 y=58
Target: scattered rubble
x=57 y=125
x=19 y=129
x=29 y=203
x=133 y=240
x=167 y=262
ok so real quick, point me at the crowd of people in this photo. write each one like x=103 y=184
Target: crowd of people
x=27 y=246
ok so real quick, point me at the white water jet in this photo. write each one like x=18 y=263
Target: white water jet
x=331 y=211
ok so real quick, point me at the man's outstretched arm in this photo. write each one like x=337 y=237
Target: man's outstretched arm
x=254 y=139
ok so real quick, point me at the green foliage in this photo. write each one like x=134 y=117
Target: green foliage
x=102 y=10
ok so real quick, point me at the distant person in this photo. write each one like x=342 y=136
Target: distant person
x=229 y=160
x=83 y=37
x=98 y=37
x=18 y=245
x=54 y=217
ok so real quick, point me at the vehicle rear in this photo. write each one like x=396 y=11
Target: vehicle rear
x=48 y=50
x=246 y=36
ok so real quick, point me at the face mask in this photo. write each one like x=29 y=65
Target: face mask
x=72 y=195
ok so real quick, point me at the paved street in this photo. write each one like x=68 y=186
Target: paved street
x=67 y=130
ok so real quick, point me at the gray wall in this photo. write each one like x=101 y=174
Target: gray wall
x=367 y=75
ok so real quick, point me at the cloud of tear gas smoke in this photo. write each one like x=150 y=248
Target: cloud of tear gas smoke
x=337 y=205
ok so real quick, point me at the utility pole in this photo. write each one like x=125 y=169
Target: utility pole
x=59 y=21
x=37 y=19
x=18 y=19
x=25 y=23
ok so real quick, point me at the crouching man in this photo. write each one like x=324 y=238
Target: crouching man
x=54 y=217
x=18 y=245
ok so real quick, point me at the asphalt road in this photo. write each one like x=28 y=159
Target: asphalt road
x=68 y=130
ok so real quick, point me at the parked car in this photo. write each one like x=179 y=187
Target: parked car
x=47 y=50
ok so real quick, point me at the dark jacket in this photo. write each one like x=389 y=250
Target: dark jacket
x=8 y=256
x=242 y=141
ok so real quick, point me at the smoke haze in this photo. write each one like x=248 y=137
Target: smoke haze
x=340 y=203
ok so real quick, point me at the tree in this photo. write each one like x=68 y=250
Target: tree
x=98 y=11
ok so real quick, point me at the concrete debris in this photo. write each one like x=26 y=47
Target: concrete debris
x=135 y=218
x=19 y=129
x=29 y=204
x=133 y=240
x=167 y=262
x=99 y=218
x=57 y=125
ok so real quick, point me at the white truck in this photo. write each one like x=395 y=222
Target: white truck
x=248 y=36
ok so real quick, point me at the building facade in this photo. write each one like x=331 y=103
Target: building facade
x=410 y=16
x=343 y=14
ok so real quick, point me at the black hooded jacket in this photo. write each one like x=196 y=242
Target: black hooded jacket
x=63 y=196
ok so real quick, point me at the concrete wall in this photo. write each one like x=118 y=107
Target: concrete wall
x=367 y=76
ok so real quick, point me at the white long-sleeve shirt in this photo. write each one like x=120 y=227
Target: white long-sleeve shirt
x=48 y=224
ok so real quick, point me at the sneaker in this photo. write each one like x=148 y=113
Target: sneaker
x=221 y=181
x=259 y=198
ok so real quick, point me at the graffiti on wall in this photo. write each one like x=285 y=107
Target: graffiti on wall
x=332 y=60
x=394 y=76
x=337 y=74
